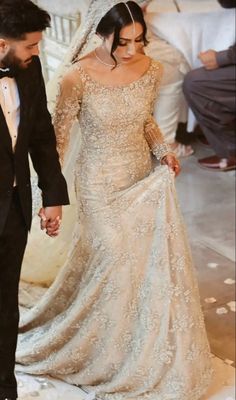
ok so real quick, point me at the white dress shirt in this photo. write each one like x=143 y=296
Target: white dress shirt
x=10 y=103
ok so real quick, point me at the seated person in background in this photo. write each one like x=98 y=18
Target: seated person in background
x=169 y=108
x=210 y=92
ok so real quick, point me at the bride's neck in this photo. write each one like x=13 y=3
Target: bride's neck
x=102 y=55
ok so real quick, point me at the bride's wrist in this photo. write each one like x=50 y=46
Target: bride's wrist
x=170 y=153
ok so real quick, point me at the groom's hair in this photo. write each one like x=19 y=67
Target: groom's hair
x=19 y=17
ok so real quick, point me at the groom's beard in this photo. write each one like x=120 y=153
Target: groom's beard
x=14 y=63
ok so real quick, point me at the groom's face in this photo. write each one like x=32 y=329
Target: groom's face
x=18 y=54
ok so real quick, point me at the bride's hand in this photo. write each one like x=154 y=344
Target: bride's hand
x=172 y=162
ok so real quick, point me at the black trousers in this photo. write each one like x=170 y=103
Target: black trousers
x=13 y=241
x=211 y=96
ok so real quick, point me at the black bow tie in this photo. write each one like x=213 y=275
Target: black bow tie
x=6 y=73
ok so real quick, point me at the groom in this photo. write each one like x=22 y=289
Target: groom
x=25 y=128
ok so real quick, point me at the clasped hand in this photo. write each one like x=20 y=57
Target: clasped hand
x=50 y=220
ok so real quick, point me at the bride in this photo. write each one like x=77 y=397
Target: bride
x=123 y=316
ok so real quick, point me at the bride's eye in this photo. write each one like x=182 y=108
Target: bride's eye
x=122 y=43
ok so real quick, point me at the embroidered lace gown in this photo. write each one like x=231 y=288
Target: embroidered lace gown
x=123 y=316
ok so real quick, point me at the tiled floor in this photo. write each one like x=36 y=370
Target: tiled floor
x=207 y=200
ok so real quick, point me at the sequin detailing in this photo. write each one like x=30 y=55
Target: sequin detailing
x=123 y=317
x=154 y=138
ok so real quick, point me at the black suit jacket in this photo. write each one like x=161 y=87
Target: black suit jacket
x=35 y=137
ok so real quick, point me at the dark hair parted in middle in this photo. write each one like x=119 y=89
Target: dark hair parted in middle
x=117 y=18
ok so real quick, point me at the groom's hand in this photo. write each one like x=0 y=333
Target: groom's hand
x=51 y=219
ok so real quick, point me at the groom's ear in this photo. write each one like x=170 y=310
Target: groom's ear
x=4 y=45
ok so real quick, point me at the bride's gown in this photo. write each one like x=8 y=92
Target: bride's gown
x=123 y=316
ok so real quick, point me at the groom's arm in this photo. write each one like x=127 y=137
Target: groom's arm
x=43 y=149
x=46 y=160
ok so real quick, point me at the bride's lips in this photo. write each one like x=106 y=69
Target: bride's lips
x=127 y=58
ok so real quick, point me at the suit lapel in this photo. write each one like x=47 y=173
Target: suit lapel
x=22 y=85
x=4 y=132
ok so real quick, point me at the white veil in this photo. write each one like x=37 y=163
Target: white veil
x=44 y=256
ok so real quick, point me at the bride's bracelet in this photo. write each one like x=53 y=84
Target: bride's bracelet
x=161 y=150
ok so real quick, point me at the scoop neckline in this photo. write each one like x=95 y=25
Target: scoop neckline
x=144 y=74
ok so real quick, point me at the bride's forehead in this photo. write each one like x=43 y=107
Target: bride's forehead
x=129 y=31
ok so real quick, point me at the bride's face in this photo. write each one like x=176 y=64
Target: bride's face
x=130 y=42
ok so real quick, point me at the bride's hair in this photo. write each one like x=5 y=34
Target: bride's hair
x=117 y=18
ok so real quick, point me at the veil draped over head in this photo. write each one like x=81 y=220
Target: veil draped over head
x=84 y=41
x=45 y=256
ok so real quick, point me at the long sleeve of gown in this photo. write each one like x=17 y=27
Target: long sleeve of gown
x=67 y=110
x=155 y=139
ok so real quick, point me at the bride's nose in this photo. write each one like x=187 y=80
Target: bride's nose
x=131 y=49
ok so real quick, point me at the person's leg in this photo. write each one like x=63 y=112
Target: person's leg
x=166 y=109
x=170 y=107
x=211 y=96
x=12 y=245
